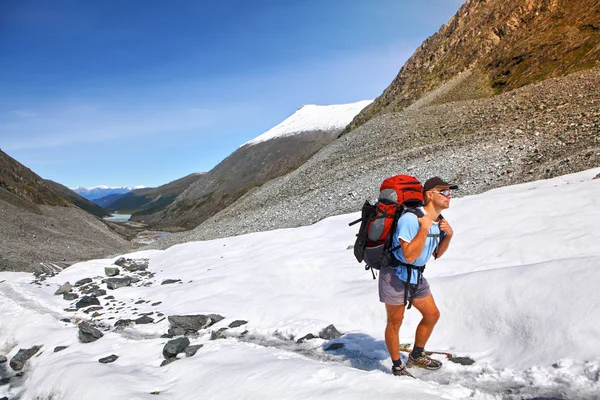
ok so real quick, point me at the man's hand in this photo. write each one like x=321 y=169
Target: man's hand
x=446 y=228
x=425 y=222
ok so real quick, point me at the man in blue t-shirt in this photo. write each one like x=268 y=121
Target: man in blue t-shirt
x=416 y=239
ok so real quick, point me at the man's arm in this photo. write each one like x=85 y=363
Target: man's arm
x=448 y=232
x=412 y=250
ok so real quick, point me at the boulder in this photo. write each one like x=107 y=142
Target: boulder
x=165 y=362
x=144 y=320
x=66 y=288
x=87 y=301
x=88 y=333
x=92 y=309
x=121 y=262
x=193 y=323
x=191 y=350
x=170 y=281
x=70 y=296
x=115 y=283
x=330 y=333
x=305 y=338
x=214 y=335
x=95 y=291
x=83 y=281
x=237 y=323
x=112 y=271
x=18 y=361
x=122 y=323
x=175 y=346
x=59 y=348
x=109 y=359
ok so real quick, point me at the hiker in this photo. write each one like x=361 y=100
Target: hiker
x=415 y=241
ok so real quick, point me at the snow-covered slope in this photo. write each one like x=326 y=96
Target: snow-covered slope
x=517 y=290
x=314 y=118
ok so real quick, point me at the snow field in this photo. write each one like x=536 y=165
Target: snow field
x=517 y=290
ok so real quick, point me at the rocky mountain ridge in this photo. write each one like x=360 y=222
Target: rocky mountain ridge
x=503 y=44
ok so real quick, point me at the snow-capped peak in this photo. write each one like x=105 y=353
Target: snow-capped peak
x=312 y=117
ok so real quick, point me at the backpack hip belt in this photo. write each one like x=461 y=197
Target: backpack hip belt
x=412 y=288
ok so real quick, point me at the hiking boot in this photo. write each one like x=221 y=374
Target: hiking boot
x=401 y=371
x=423 y=362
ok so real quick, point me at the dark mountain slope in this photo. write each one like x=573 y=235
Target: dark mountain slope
x=21 y=185
x=40 y=225
x=246 y=168
x=78 y=200
x=151 y=200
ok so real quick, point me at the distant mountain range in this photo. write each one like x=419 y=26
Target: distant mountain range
x=100 y=191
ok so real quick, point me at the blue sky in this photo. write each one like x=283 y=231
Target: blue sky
x=125 y=93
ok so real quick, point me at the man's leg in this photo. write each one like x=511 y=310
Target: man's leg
x=431 y=314
x=395 y=315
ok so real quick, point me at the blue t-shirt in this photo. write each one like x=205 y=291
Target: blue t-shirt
x=407 y=229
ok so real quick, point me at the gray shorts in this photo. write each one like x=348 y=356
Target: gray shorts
x=391 y=288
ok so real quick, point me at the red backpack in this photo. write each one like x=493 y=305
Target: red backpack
x=398 y=194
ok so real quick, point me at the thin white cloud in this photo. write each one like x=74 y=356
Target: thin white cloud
x=24 y=113
x=89 y=123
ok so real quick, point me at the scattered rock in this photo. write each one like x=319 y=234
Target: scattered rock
x=83 y=281
x=175 y=346
x=66 y=288
x=334 y=346
x=305 y=338
x=191 y=350
x=109 y=359
x=121 y=262
x=112 y=271
x=109 y=298
x=237 y=323
x=140 y=301
x=87 y=301
x=115 y=283
x=169 y=281
x=155 y=304
x=462 y=360
x=67 y=320
x=88 y=333
x=167 y=361
x=214 y=335
x=94 y=291
x=192 y=323
x=18 y=361
x=92 y=309
x=329 y=333
x=70 y=296
x=122 y=323
x=59 y=348
x=144 y=320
